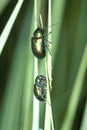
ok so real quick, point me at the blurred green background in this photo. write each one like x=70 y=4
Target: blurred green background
x=69 y=68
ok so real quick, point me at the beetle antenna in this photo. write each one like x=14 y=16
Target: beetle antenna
x=47 y=33
x=45 y=28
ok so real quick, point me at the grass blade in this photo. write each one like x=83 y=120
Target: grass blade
x=9 y=25
x=48 y=111
x=84 y=119
x=74 y=98
x=35 y=101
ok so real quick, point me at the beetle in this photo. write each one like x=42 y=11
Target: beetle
x=40 y=90
x=39 y=43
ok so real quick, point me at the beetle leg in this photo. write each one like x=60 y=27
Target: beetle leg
x=48 y=49
x=47 y=33
x=48 y=41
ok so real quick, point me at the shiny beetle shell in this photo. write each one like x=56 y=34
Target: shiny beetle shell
x=40 y=85
x=38 y=43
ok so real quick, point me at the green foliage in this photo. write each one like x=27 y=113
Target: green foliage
x=69 y=57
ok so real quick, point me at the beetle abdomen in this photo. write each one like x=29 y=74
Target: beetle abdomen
x=38 y=47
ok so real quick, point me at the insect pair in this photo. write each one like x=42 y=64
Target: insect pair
x=40 y=88
x=40 y=43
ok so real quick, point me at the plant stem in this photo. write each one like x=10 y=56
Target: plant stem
x=48 y=65
x=35 y=101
